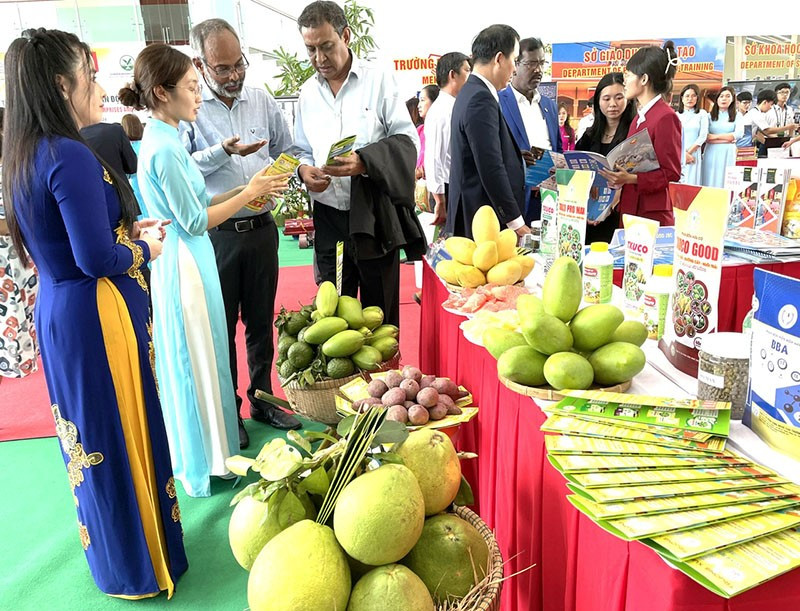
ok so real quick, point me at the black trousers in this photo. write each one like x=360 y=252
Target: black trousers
x=377 y=279
x=248 y=273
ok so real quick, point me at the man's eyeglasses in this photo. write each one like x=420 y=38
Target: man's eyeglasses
x=226 y=71
x=541 y=63
x=196 y=90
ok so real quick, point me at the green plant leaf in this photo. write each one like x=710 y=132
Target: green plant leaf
x=239 y=465
x=266 y=492
x=291 y=510
x=344 y=426
x=250 y=490
x=464 y=496
x=391 y=431
x=297 y=439
x=311 y=435
x=278 y=460
x=388 y=458
x=316 y=482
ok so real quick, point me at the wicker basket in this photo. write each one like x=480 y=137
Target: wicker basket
x=548 y=393
x=316 y=402
x=490 y=601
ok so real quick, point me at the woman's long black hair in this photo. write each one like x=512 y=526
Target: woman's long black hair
x=36 y=110
x=598 y=128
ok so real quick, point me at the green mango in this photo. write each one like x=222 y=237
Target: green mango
x=343 y=343
x=547 y=334
x=497 y=341
x=528 y=307
x=562 y=291
x=387 y=346
x=349 y=308
x=616 y=362
x=368 y=358
x=325 y=328
x=631 y=332
x=523 y=365
x=593 y=326
x=568 y=370
x=373 y=317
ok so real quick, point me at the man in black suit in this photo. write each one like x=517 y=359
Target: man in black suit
x=486 y=164
x=109 y=141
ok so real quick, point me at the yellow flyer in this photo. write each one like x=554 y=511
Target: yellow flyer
x=587 y=463
x=575 y=444
x=284 y=164
x=640 y=527
x=655 y=476
x=697 y=542
x=574 y=187
x=671 y=504
x=701 y=218
x=629 y=493
x=569 y=424
x=739 y=568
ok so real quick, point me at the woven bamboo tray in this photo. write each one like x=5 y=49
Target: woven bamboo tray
x=550 y=394
x=316 y=402
x=490 y=600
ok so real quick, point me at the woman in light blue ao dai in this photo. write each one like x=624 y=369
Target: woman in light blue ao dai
x=725 y=128
x=694 y=124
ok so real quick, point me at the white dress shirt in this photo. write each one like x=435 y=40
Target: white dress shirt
x=643 y=110
x=519 y=221
x=368 y=105
x=779 y=117
x=585 y=123
x=437 y=143
x=533 y=120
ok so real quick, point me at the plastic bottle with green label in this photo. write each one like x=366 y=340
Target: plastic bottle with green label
x=656 y=300
x=598 y=274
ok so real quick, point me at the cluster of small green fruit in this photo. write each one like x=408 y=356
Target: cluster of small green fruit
x=332 y=339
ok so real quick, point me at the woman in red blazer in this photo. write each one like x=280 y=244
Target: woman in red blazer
x=648 y=77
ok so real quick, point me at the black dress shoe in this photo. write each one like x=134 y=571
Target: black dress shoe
x=244 y=438
x=274 y=417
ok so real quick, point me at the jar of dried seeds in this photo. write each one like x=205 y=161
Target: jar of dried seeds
x=724 y=370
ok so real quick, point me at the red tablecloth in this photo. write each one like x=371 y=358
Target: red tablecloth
x=578 y=566
x=736 y=292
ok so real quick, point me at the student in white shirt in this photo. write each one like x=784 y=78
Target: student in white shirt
x=782 y=115
x=452 y=71
x=345 y=97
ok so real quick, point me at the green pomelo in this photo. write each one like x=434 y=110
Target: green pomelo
x=528 y=306
x=523 y=365
x=393 y=587
x=616 y=362
x=497 y=341
x=379 y=515
x=568 y=370
x=432 y=458
x=284 y=343
x=250 y=529
x=300 y=354
x=301 y=569
x=630 y=332
x=548 y=334
x=340 y=367
x=593 y=327
x=563 y=289
x=450 y=557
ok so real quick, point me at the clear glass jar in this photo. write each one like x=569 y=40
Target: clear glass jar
x=724 y=370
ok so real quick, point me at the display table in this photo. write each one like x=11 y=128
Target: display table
x=577 y=566
x=737 y=287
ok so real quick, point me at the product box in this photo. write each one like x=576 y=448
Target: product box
x=573 y=195
x=701 y=218
x=773 y=409
x=549 y=229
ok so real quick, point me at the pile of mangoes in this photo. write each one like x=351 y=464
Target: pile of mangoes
x=491 y=258
x=333 y=338
x=565 y=347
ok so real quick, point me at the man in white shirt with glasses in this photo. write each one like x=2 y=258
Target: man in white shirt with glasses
x=240 y=130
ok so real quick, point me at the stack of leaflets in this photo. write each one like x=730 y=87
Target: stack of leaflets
x=655 y=470
x=761 y=246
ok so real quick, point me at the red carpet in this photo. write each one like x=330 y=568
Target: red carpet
x=24 y=404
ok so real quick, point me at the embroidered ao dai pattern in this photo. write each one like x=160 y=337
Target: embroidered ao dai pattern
x=92 y=318
x=720 y=155
x=694 y=126
x=189 y=327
